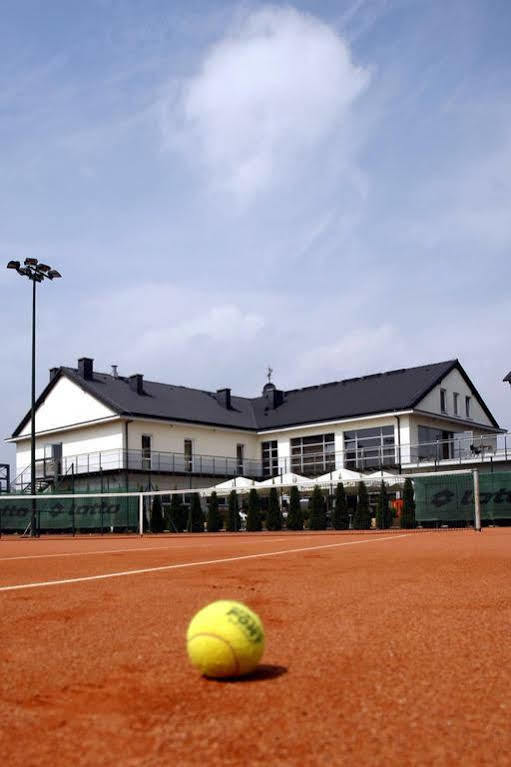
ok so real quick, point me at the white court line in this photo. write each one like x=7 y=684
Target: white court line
x=197 y=564
x=202 y=544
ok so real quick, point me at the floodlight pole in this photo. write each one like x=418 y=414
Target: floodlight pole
x=37 y=272
x=33 y=521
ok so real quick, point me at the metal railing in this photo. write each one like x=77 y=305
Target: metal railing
x=405 y=457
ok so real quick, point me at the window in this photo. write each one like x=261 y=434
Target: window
x=467 y=407
x=434 y=444
x=146 y=451
x=369 y=448
x=313 y=455
x=52 y=464
x=455 y=401
x=240 y=458
x=188 y=453
x=270 y=456
x=442 y=401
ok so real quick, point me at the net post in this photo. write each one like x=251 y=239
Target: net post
x=140 y=514
x=477 y=501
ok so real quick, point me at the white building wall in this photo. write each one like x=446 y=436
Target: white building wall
x=166 y=437
x=106 y=438
x=406 y=437
x=454 y=382
x=67 y=404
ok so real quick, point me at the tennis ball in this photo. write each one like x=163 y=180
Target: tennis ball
x=225 y=639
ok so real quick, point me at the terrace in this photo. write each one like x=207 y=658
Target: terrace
x=453 y=453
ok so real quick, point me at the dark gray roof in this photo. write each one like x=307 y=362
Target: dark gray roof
x=508 y=377
x=379 y=393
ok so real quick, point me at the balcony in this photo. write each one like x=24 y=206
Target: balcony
x=49 y=470
x=427 y=456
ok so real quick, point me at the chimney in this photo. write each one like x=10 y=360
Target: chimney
x=223 y=397
x=273 y=396
x=115 y=374
x=137 y=383
x=53 y=373
x=86 y=368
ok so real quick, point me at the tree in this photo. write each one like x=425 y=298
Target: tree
x=295 y=515
x=196 y=515
x=214 y=518
x=157 y=521
x=407 y=519
x=362 y=518
x=340 y=519
x=177 y=523
x=254 y=521
x=383 y=511
x=274 y=516
x=233 y=521
x=317 y=510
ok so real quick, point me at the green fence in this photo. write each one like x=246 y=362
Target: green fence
x=95 y=513
x=450 y=498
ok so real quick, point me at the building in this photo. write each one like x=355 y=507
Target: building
x=104 y=431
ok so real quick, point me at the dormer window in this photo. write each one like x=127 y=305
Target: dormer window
x=443 y=408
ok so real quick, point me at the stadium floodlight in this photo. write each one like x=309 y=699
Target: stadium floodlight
x=36 y=273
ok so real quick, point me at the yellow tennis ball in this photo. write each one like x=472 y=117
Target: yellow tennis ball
x=225 y=639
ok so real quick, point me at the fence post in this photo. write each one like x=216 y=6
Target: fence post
x=477 y=501
x=141 y=514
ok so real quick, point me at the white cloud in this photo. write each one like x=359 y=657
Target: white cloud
x=354 y=352
x=272 y=90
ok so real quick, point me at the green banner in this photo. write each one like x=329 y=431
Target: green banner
x=451 y=498
x=70 y=514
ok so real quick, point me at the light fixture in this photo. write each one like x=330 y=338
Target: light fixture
x=53 y=274
x=13 y=265
x=43 y=267
x=31 y=262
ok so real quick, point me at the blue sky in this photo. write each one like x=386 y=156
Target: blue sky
x=320 y=186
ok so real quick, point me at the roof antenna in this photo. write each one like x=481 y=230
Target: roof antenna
x=269 y=373
x=114 y=371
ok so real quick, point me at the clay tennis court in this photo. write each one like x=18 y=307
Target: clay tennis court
x=382 y=648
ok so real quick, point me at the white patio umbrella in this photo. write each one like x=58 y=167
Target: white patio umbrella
x=390 y=479
x=241 y=484
x=283 y=480
x=339 y=475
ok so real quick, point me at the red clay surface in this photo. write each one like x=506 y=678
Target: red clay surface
x=387 y=651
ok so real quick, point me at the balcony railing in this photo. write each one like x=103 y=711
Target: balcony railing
x=405 y=457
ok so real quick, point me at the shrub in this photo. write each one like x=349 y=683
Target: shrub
x=295 y=515
x=233 y=521
x=274 y=516
x=407 y=519
x=317 y=510
x=196 y=515
x=176 y=514
x=254 y=521
x=362 y=517
x=214 y=518
x=340 y=518
x=383 y=511
x=157 y=521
